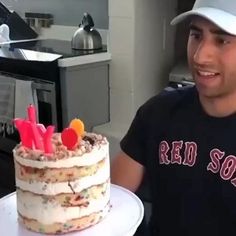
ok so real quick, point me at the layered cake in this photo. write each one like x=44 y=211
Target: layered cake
x=63 y=186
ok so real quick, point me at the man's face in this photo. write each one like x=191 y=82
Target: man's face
x=212 y=59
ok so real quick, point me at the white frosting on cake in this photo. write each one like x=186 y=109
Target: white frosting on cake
x=97 y=154
x=52 y=212
x=33 y=191
x=102 y=175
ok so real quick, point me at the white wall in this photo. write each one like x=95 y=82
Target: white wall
x=141 y=44
x=122 y=47
x=154 y=47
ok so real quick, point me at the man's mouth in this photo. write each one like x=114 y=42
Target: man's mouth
x=205 y=74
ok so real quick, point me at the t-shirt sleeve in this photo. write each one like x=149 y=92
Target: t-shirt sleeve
x=133 y=143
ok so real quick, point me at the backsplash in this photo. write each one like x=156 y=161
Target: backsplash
x=65 y=12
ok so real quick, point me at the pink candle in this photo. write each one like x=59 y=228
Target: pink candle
x=47 y=139
x=27 y=135
x=37 y=138
x=31 y=113
x=32 y=134
x=41 y=129
x=24 y=129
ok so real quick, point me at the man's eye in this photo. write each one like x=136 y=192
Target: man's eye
x=222 y=41
x=195 y=35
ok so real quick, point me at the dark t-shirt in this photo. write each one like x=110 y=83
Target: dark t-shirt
x=190 y=159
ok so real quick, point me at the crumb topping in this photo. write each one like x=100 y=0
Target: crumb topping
x=86 y=145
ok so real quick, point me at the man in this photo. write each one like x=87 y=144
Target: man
x=185 y=140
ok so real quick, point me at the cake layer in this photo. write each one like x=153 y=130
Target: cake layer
x=35 y=207
x=76 y=186
x=95 y=155
x=65 y=227
x=66 y=190
x=74 y=199
x=54 y=175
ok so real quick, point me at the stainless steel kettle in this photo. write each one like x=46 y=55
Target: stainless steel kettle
x=86 y=37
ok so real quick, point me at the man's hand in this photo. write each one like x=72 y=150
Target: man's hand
x=126 y=172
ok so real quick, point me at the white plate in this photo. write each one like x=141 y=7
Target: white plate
x=123 y=219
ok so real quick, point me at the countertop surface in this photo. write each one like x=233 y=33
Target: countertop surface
x=51 y=49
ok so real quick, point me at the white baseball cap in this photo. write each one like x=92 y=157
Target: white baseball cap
x=221 y=12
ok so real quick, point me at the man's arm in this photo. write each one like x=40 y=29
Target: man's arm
x=126 y=172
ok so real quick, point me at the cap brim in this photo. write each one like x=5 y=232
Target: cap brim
x=222 y=19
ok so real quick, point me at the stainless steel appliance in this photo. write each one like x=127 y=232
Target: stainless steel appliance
x=39 y=59
x=86 y=37
x=42 y=69
x=46 y=97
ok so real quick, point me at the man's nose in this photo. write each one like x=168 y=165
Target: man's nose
x=204 y=52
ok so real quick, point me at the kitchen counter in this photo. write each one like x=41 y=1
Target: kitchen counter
x=65 y=33
x=67 y=56
x=86 y=59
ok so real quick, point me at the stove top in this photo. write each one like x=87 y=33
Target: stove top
x=44 y=50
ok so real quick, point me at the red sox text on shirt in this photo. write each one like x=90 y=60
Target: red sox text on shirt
x=219 y=162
